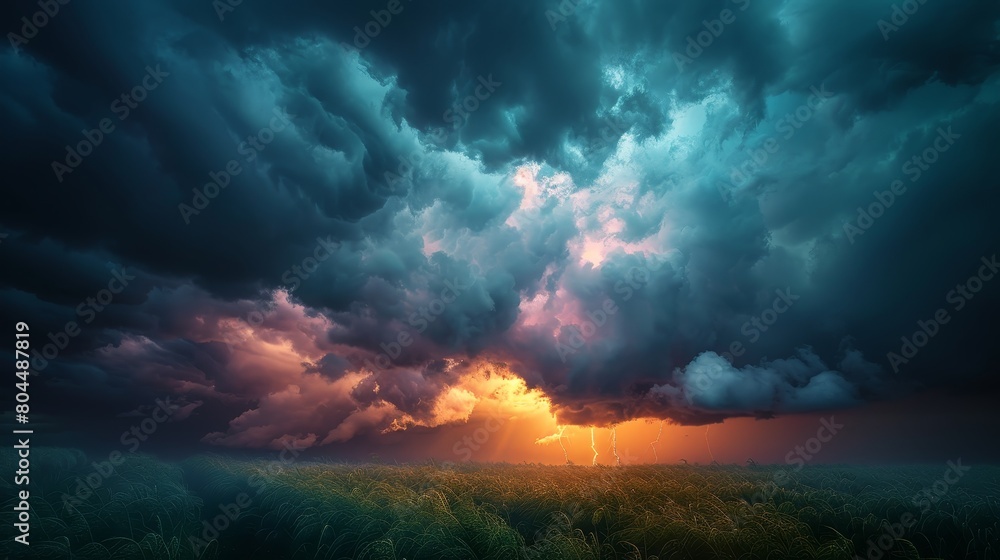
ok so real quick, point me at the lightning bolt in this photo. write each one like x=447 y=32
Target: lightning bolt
x=565 y=455
x=614 y=446
x=652 y=444
x=593 y=446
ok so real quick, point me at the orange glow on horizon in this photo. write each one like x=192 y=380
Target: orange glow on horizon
x=507 y=421
x=489 y=414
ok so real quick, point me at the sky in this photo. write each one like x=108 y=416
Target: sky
x=598 y=232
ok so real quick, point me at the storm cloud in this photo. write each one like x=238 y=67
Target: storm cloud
x=332 y=239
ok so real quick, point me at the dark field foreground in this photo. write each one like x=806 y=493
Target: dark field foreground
x=210 y=507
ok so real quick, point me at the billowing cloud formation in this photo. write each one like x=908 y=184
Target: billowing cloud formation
x=712 y=384
x=326 y=240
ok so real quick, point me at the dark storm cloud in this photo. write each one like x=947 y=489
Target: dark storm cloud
x=594 y=157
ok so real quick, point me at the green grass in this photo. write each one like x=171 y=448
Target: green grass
x=151 y=510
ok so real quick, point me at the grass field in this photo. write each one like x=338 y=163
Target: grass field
x=212 y=507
